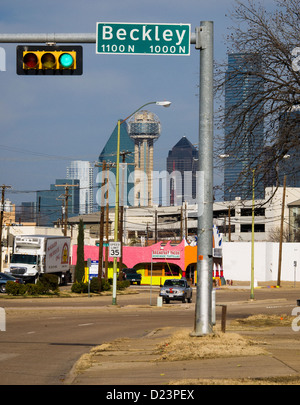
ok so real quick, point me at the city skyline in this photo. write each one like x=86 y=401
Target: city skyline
x=49 y=121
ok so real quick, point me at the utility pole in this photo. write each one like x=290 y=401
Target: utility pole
x=155 y=232
x=281 y=233
x=252 y=237
x=181 y=225
x=4 y=187
x=101 y=230
x=66 y=195
x=186 y=222
x=229 y=224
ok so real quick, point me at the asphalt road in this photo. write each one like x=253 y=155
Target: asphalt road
x=45 y=337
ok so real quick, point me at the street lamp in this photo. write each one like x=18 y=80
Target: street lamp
x=115 y=264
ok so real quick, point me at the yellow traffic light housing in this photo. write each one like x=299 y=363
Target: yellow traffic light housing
x=49 y=60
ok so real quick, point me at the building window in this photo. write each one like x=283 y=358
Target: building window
x=247 y=212
x=257 y=228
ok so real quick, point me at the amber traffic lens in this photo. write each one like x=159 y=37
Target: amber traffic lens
x=48 y=61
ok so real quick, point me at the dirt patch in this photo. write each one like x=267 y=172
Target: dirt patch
x=182 y=346
x=289 y=380
x=175 y=346
x=261 y=321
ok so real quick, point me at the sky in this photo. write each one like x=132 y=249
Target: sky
x=48 y=121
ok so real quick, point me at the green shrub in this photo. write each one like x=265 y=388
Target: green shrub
x=106 y=285
x=49 y=281
x=43 y=286
x=95 y=286
x=13 y=288
x=122 y=285
x=79 y=287
x=35 y=289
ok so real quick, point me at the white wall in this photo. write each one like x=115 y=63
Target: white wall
x=237 y=261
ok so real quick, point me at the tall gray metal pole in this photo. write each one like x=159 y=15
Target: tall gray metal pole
x=203 y=311
x=49 y=38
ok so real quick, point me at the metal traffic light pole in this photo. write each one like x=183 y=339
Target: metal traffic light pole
x=53 y=38
x=203 y=310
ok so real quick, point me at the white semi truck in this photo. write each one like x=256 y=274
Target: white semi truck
x=34 y=255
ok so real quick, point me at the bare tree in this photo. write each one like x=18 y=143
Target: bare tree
x=270 y=43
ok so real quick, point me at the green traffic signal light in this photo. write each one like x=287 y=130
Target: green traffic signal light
x=49 y=60
x=66 y=60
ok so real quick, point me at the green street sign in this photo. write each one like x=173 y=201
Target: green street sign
x=143 y=39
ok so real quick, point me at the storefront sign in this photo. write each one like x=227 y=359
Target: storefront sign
x=166 y=254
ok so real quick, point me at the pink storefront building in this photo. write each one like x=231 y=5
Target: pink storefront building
x=159 y=261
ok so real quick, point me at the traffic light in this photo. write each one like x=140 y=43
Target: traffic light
x=49 y=60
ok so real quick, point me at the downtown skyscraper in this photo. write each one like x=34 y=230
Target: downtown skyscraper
x=244 y=133
x=83 y=171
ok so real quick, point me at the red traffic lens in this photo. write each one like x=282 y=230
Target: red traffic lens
x=30 y=60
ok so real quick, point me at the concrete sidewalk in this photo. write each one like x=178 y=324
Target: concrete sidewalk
x=134 y=362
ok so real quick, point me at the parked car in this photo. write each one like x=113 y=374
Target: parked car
x=4 y=278
x=132 y=275
x=176 y=289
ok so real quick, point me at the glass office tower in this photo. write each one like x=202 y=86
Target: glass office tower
x=288 y=142
x=183 y=158
x=83 y=171
x=50 y=204
x=109 y=155
x=244 y=128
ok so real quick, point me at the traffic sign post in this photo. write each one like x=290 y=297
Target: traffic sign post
x=143 y=39
x=115 y=252
x=114 y=249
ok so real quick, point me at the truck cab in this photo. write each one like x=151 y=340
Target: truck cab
x=25 y=264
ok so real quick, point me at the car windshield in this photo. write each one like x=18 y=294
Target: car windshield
x=26 y=259
x=172 y=283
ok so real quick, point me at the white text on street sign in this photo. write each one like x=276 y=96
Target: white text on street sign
x=115 y=249
x=143 y=39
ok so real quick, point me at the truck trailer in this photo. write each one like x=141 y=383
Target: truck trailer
x=34 y=255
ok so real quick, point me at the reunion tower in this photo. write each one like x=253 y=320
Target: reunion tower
x=144 y=129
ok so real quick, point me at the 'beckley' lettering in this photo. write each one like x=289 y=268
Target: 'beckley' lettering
x=144 y=34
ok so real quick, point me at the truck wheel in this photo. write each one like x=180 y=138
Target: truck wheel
x=190 y=299
x=2 y=288
x=167 y=301
x=183 y=299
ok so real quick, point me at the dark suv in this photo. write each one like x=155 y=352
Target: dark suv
x=132 y=275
